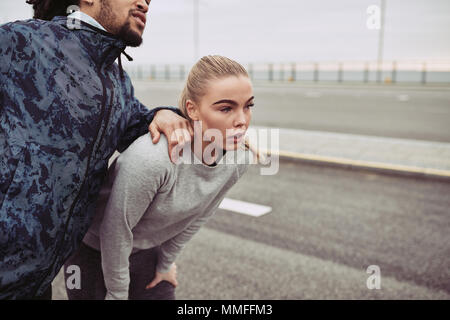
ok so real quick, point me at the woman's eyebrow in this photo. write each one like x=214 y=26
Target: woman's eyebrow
x=231 y=101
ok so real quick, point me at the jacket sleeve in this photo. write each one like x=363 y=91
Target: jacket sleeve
x=139 y=121
x=137 y=180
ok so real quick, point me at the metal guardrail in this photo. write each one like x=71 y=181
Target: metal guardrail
x=364 y=72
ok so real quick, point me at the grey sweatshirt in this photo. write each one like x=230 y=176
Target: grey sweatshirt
x=148 y=201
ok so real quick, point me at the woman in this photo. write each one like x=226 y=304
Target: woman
x=149 y=207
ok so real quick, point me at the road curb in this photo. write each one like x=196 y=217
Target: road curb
x=366 y=165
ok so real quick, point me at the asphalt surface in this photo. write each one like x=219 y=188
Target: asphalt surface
x=327 y=226
x=398 y=111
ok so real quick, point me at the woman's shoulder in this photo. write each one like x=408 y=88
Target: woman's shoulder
x=145 y=155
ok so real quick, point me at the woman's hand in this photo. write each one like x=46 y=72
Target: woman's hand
x=170 y=276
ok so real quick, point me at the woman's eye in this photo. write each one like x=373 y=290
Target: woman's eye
x=226 y=109
x=250 y=105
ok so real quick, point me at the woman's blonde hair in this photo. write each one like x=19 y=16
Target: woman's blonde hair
x=212 y=67
x=206 y=69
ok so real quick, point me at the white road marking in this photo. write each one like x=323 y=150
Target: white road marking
x=403 y=97
x=313 y=94
x=251 y=209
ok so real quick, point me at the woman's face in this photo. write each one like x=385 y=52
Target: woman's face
x=226 y=107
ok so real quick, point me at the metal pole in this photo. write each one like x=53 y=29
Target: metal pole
x=196 y=30
x=381 y=40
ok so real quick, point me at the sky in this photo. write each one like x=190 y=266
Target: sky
x=261 y=31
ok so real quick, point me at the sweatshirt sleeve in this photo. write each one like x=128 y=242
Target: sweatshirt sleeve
x=137 y=180
x=139 y=121
x=170 y=249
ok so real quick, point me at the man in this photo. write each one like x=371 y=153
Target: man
x=65 y=107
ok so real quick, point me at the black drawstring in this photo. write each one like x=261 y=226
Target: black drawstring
x=120 y=62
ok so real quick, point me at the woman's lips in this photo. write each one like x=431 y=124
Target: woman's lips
x=236 y=137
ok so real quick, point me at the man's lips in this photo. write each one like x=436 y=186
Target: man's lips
x=140 y=16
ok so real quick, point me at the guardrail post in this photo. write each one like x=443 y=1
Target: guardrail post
x=424 y=73
x=270 y=72
x=167 y=72
x=293 y=72
x=394 y=72
x=316 y=72
x=181 y=72
x=152 y=72
x=366 y=72
x=139 y=72
x=340 y=72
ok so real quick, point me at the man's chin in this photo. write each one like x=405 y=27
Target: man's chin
x=129 y=36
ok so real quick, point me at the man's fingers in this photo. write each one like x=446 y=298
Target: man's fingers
x=187 y=135
x=172 y=137
x=154 y=133
x=180 y=137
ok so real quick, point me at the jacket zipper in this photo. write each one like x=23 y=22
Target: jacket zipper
x=75 y=202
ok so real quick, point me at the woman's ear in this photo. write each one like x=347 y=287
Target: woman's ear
x=192 y=110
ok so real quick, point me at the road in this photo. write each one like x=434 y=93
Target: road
x=398 y=111
x=327 y=224
x=326 y=227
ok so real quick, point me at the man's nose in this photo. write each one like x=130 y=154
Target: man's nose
x=142 y=6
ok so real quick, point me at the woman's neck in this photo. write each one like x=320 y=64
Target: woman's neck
x=210 y=158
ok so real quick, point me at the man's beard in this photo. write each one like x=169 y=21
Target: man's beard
x=128 y=36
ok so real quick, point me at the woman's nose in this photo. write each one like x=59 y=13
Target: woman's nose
x=240 y=120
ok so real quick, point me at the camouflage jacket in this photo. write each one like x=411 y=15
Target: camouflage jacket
x=65 y=107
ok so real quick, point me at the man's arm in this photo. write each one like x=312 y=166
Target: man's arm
x=139 y=123
x=166 y=120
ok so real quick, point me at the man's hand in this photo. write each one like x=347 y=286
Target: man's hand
x=177 y=129
x=170 y=276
